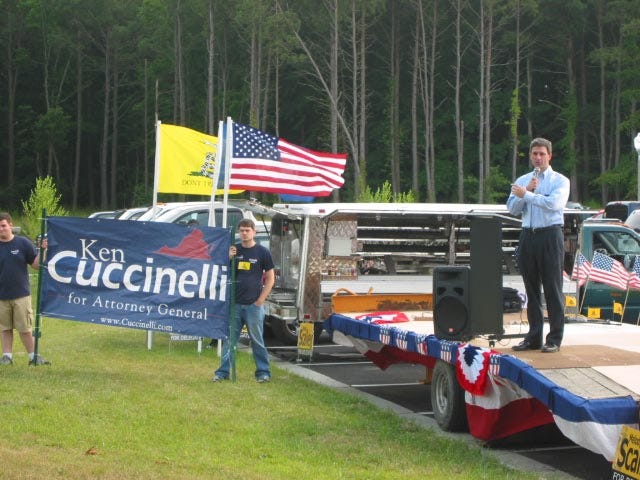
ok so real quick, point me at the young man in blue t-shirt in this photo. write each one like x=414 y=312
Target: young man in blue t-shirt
x=254 y=280
x=15 y=293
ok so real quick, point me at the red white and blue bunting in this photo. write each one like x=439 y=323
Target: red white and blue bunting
x=472 y=366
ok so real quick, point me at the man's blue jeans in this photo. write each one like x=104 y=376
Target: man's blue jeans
x=253 y=317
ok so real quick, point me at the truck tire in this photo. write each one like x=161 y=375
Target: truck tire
x=447 y=399
x=287 y=333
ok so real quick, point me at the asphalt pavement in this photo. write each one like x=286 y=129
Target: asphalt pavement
x=401 y=388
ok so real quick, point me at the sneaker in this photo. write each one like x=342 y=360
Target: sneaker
x=39 y=360
x=218 y=378
x=6 y=360
x=263 y=379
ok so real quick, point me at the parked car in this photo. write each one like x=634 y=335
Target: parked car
x=154 y=213
x=575 y=206
x=620 y=209
x=133 y=213
x=106 y=214
x=633 y=220
x=197 y=213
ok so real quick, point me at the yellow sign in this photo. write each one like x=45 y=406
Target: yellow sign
x=570 y=301
x=626 y=465
x=305 y=336
x=593 y=312
x=617 y=308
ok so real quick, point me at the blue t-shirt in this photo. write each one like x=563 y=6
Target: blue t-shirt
x=15 y=255
x=251 y=263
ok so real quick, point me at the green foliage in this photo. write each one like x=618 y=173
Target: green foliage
x=497 y=187
x=570 y=113
x=385 y=194
x=142 y=195
x=471 y=188
x=52 y=128
x=157 y=64
x=108 y=408
x=405 y=197
x=43 y=196
x=624 y=177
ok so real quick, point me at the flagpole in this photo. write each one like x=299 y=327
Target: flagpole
x=227 y=167
x=235 y=327
x=586 y=285
x=578 y=309
x=212 y=218
x=156 y=180
x=41 y=254
x=635 y=271
x=216 y=175
x=156 y=169
x=626 y=298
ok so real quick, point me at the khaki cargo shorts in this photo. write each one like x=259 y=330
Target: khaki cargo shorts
x=16 y=314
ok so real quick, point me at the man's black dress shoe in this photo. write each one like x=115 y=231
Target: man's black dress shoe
x=550 y=348
x=525 y=345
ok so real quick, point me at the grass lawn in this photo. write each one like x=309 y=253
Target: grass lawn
x=108 y=408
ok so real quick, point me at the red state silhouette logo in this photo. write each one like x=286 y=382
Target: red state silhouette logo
x=191 y=246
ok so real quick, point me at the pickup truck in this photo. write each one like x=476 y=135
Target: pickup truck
x=620 y=242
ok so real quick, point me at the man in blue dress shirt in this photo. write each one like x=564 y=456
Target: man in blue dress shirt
x=539 y=197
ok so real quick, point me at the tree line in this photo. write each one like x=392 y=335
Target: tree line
x=439 y=98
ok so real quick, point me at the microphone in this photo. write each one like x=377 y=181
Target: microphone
x=536 y=174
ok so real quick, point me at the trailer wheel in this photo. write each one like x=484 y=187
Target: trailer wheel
x=447 y=399
x=287 y=333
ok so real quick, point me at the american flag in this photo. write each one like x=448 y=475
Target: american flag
x=634 y=276
x=264 y=163
x=605 y=269
x=581 y=269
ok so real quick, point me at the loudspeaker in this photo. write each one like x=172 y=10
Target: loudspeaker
x=467 y=301
x=486 y=276
x=451 y=304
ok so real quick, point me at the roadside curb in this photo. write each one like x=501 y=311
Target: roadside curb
x=508 y=459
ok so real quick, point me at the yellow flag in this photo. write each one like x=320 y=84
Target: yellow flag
x=617 y=308
x=593 y=312
x=570 y=301
x=186 y=161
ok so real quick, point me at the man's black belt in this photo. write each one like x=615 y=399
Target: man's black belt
x=541 y=229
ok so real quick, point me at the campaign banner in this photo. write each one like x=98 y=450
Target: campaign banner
x=145 y=275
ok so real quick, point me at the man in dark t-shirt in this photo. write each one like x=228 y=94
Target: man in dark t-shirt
x=254 y=280
x=15 y=293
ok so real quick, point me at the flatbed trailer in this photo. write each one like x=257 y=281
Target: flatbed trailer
x=318 y=248
x=590 y=389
